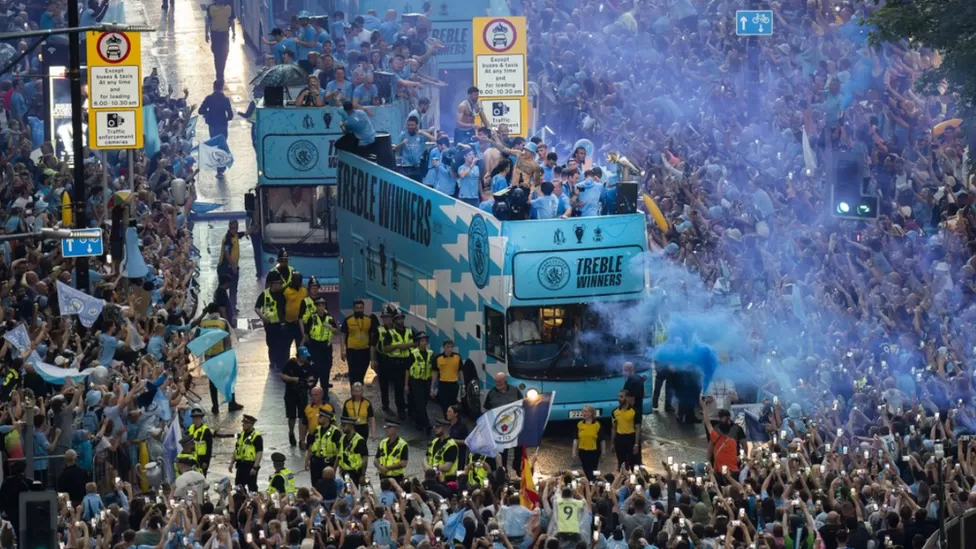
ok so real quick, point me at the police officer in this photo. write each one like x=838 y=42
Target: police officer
x=442 y=452
x=307 y=308
x=281 y=481
x=387 y=366
x=187 y=452
x=282 y=269
x=392 y=453
x=202 y=439
x=270 y=307
x=247 y=455
x=417 y=382
x=323 y=446
x=352 y=451
x=317 y=330
x=477 y=473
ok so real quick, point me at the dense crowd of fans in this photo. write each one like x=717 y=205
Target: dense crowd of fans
x=855 y=332
x=854 y=345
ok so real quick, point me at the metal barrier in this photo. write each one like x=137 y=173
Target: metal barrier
x=959 y=531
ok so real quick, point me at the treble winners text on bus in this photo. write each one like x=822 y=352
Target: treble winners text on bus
x=379 y=201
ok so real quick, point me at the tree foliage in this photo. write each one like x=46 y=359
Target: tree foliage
x=949 y=27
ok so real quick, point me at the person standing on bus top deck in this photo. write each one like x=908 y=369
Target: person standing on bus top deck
x=499 y=395
x=220 y=32
x=521 y=329
x=411 y=147
x=469 y=176
x=527 y=173
x=359 y=334
x=340 y=90
x=468 y=117
x=216 y=110
x=447 y=379
x=426 y=121
x=446 y=181
x=270 y=307
x=434 y=162
x=307 y=40
x=363 y=94
x=549 y=165
x=545 y=206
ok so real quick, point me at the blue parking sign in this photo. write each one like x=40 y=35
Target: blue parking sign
x=86 y=244
x=754 y=22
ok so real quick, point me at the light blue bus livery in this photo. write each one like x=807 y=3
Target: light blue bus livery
x=293 y=206
x=459 y=273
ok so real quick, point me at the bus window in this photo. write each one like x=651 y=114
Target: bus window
x=570 y=342
x=300 y=217
x=495 y=334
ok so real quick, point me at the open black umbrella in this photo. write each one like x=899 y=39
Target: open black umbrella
x=288 y=76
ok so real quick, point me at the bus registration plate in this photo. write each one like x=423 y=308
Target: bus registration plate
x=573 y=414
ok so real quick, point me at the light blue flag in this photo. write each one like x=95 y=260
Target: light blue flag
x=171 y=449
x=206 y=340
x=200 y=207
x=214 y=153
x=454 y=529
x=150 y=130
x=72 y=301
x=222 y=371
x=162 y=402
x=480 y=441
x=19 y=338
x=135 y=263
x=56 y=375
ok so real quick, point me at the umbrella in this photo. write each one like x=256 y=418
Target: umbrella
x=118 y=198
x=281 y=75
x=940 y=128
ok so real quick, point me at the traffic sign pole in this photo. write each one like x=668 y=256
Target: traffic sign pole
x=80 y=197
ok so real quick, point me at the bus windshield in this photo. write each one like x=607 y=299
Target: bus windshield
x=569 y=342
x=303 y=218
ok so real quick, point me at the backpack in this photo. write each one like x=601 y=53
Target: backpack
x=424 y=164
